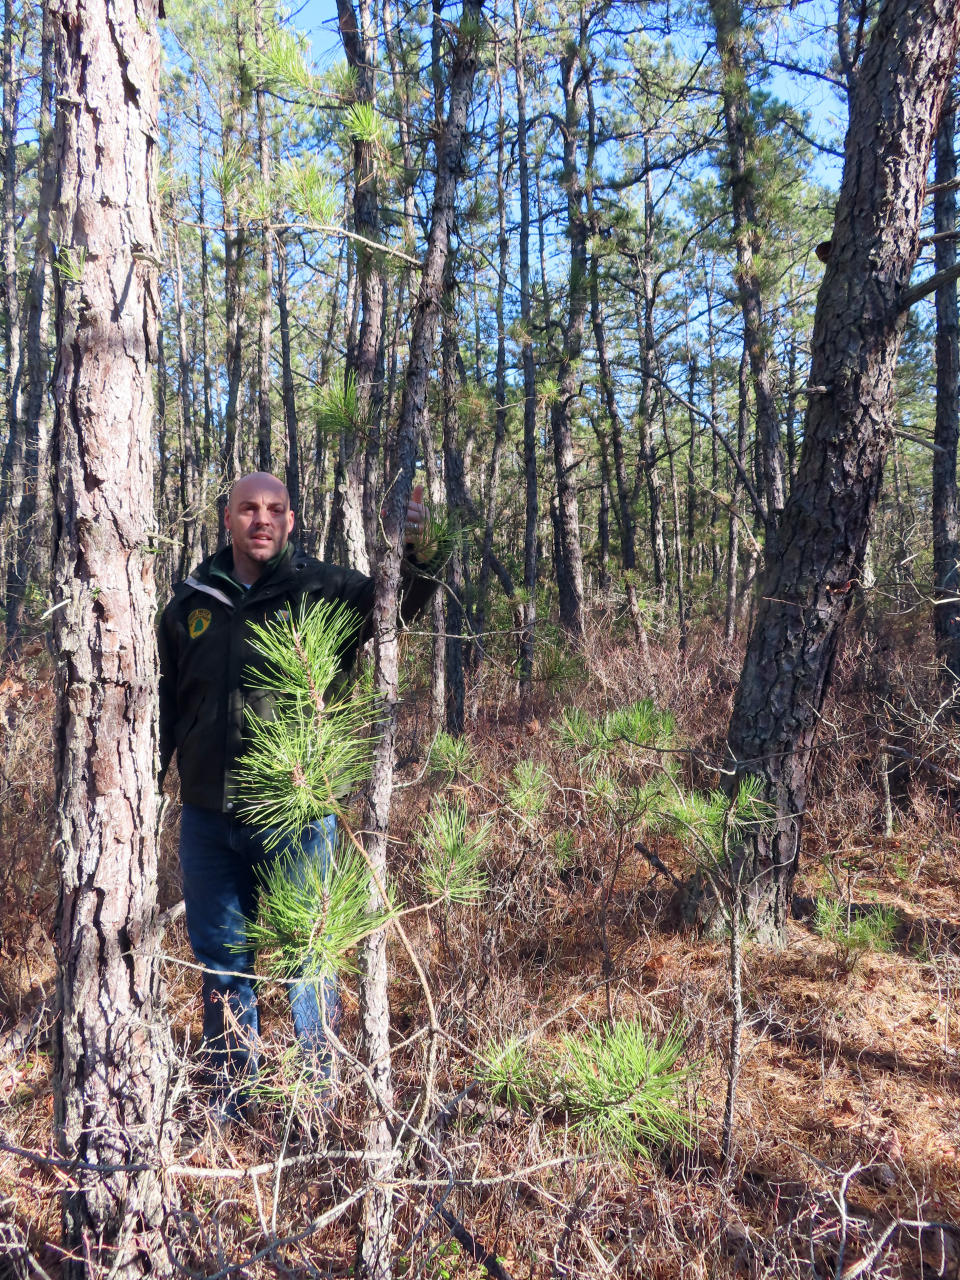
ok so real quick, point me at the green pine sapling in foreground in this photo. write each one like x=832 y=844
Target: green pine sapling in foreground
x=304 y=757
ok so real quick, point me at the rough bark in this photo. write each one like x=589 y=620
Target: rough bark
x=374 y=1254
x=500 y=384
x=189 y=471
x=112 y=1086
x=859 y=323
x=946 y=511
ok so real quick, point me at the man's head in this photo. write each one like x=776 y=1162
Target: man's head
x=260 y=522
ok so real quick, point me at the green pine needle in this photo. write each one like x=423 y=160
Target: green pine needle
x=452 y=869
x=310 y=744
x=622 y=1087
x=618 y=1085
x=312 y=923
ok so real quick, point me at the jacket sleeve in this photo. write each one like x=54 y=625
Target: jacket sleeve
x=418 y=582
x=166 y=649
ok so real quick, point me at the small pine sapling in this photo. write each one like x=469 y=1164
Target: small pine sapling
x=617 y=1085
x=308 y=751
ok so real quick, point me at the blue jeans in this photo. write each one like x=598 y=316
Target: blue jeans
x=223 y=862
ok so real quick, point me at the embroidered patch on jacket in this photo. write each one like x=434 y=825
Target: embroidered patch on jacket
x=197 y=622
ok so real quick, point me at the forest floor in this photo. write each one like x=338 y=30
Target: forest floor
x=846 y=1141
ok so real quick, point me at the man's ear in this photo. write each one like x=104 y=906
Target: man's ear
x=290 y=522
x=226 y=517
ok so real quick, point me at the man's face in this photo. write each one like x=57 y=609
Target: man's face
x=260 y=522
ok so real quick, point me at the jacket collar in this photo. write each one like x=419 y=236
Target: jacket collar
x=216 y=574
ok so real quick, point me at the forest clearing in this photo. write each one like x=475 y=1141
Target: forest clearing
x=480 y=584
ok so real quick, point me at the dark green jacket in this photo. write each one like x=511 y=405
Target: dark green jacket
x=206 y=659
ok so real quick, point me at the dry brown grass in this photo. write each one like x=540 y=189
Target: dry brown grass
x=842 y=1071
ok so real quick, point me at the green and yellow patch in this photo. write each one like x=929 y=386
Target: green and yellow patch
x=197 y=622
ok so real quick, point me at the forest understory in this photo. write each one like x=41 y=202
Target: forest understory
x=845 y=1158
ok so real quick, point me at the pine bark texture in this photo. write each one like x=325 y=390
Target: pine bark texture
x=946 y=502
x=860 y=318
x=112 y=1065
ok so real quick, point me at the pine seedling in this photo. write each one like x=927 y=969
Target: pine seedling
x=452 y=870
x=506 y=1071
x=621 y=1086
x=313 y=917
x=450 y=757
x=640 y=724
x=529 y=791
x=315 y=748
x=709 y=821
x=618 y=1085
x=870 y=930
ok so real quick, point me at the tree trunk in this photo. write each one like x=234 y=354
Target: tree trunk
x=530 y=451
x=500 y=385
x=374 y=1254
x=112 y=1074
x=291 y=422
x=455 y=486
x=189 y=471
x=727 y=18
x=570 y=586
x=265 y=316
x=365 y=352
x=861 y=313
x=946 y=512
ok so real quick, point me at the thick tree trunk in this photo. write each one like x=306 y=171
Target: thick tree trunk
x=12 y=475
x=946 y=510
x=861 y=313
x=112 y=1085
x=499 y=388
x=374 y=1255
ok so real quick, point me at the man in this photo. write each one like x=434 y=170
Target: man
x=207 y=679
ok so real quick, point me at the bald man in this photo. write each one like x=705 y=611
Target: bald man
x=207 y=680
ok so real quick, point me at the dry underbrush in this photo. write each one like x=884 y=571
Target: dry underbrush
x=847 y=1115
